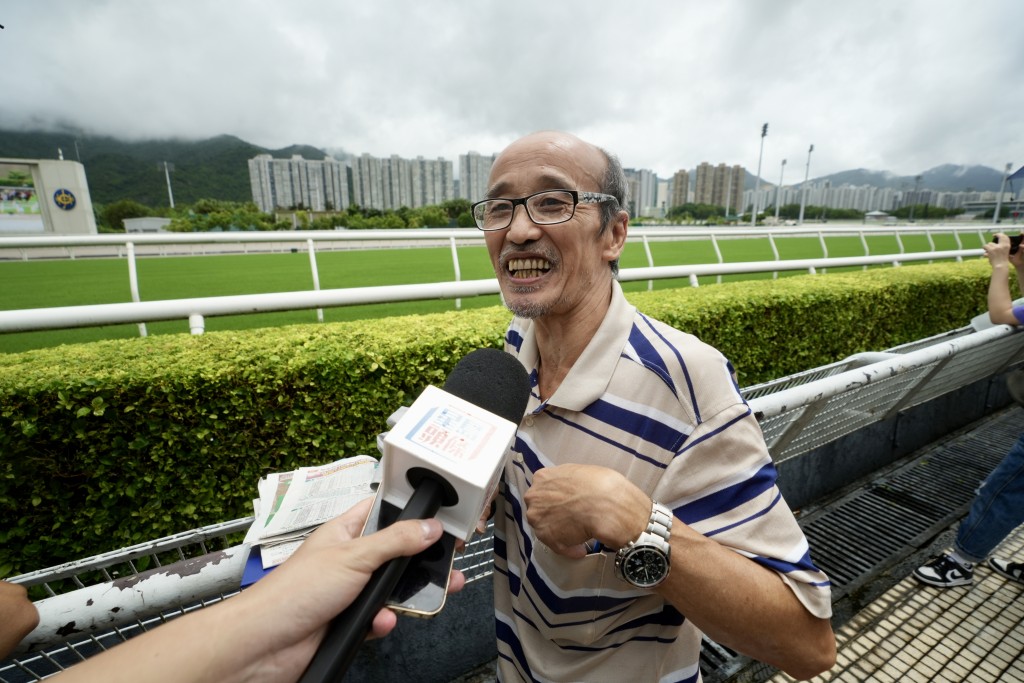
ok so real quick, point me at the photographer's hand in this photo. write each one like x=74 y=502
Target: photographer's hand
x=1000 y=303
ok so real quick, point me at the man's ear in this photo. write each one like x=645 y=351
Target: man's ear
x=615 y=236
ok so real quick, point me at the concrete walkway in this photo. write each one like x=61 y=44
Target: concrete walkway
x=919 y=633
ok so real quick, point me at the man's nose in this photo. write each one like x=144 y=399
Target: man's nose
x=522 y=229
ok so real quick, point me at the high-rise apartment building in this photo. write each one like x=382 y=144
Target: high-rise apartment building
x=643 y=193
x=474 y=170
x=735 y=176
x=432 y=181
x=680 y=188
x=298 y=183
x=719 y=186
x=394 y=182
x=370 y=182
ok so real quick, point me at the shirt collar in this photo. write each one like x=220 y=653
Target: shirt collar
x=591 y=373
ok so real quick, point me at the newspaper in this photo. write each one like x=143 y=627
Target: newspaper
x=291 y=505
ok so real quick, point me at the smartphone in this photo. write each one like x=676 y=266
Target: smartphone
x=1015 y=241
x=423 y=587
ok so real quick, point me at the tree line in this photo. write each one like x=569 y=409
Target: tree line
x=711 y=214
x=211 y=215
x=206 y=215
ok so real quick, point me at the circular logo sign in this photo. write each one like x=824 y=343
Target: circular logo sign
x=64 y=199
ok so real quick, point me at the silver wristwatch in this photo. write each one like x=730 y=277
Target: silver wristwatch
x=644 y=562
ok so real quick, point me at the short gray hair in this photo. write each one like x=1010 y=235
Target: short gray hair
x=613 y=183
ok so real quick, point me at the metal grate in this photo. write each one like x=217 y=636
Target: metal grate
x=867 y=530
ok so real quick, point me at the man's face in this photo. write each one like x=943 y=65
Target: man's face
x=560 y=269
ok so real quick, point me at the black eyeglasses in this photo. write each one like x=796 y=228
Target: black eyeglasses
x=544 y=208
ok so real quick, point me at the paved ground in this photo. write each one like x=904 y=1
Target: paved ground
x=919 y=633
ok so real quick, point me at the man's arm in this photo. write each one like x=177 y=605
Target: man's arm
x=271 y=631
x=733 y=600
x=18 y=616
x=1000 y=303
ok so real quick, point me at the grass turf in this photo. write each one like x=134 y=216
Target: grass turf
x=41 y=284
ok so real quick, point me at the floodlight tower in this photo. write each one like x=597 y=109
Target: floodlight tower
x=167 y=168
x=999 y=197
x=778 y=191
x=803 y=192
x=757 y=178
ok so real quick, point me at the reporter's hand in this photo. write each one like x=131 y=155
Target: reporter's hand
x=298 y=599
x=271 y=631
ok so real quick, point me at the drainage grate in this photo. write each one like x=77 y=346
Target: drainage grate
x=867 y=530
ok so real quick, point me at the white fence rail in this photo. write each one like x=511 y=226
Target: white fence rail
x=196 y=310
x=131 y=246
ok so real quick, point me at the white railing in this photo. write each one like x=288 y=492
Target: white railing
x=196 y=310
x=131 y=246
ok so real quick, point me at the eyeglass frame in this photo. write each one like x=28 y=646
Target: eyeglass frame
x=577 y=199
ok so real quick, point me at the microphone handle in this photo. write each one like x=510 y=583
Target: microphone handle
x=348 y=630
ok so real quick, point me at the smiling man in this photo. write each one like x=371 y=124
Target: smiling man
x=639 y=507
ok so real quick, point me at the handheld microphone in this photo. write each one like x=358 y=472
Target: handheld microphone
x=443 y=457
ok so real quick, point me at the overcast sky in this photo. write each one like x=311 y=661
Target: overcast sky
x=896 y=85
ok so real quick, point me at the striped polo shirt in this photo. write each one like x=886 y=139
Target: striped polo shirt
x=662 y=408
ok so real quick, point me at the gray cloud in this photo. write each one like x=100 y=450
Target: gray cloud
x=665 y=85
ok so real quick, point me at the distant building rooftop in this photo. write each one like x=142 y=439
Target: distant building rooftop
x=147 y=224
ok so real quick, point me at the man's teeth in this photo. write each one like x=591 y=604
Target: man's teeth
x=528 y=267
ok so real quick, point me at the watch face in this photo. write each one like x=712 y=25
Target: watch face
x=645 y=567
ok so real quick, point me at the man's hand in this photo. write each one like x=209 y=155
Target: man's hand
x=569 y=505
x=998 y=251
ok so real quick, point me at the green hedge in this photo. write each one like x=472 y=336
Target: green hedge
x=112 y=443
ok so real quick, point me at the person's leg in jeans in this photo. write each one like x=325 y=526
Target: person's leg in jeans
x=998 y=508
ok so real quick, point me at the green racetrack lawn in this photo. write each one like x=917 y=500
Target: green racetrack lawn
x=41 y=284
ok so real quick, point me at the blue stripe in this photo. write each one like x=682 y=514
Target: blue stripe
x=507 y=635
x=805 y=564
x=759 y=513
x=516 y=517
x=514 y=339
x=605 y=607
x=668 y=616
x=645 y=427
x=727 y=499
x=682 y=365
x=716 y=432
x=531 y=461
x=650 y=358
x=607 y=440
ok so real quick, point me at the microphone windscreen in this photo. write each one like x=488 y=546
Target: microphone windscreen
x=493 y=380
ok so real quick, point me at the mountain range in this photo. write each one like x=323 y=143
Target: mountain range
x=217 y=167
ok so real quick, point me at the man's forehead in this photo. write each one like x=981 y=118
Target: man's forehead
x=548 y=160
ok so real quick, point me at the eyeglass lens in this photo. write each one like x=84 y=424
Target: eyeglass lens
x=543 y=208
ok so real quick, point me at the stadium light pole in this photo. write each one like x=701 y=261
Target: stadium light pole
x=757 y=179
x=999 y=197
x=167 y=174
x=803 y=192
x=778 y=190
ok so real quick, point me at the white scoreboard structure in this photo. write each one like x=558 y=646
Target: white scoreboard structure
x=55 y=202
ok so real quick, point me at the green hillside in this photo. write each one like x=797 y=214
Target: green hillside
x=215 y=168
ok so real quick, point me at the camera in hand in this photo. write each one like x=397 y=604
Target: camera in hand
x=1015 y=241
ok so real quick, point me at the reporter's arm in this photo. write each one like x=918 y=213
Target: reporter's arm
x=18 y=616
x=271 y=631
